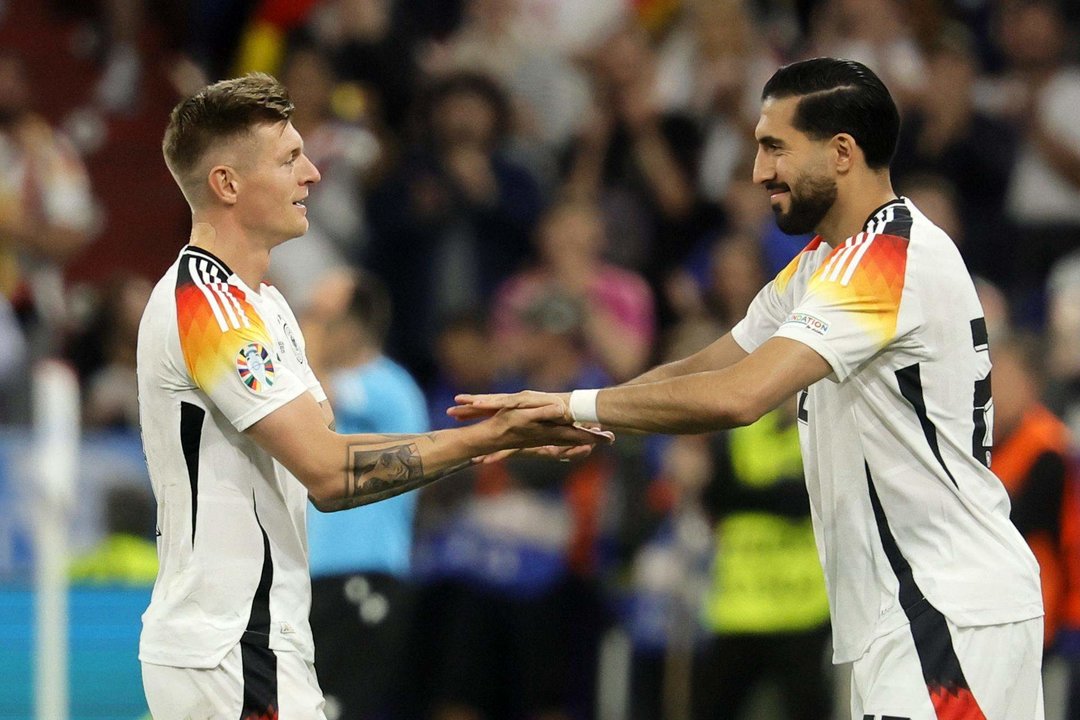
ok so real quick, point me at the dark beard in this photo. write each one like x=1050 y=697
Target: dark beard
x=808 y=208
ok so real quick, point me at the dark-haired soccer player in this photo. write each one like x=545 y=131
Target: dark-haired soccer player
x=875 y=325
x=235 y=438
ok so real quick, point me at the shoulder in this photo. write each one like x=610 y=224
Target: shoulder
x=206 y=300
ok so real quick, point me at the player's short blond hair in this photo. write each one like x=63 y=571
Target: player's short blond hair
x=220 y=112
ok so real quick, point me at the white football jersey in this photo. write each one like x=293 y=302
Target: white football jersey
x=214 y=357
x=896 y=441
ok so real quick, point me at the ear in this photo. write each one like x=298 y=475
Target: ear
x=224 y=184
x=846 y=150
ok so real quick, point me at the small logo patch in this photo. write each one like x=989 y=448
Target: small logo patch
x=255 y=367
x=809 y=322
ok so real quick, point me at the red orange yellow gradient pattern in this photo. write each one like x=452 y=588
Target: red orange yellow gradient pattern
x=865 y=277
x=209 y=351
x=958 y=704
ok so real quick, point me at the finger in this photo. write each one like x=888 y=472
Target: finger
x=567 y=435
x=499 y=455
x=552 y=412
x=605 y=435
x=469 y=412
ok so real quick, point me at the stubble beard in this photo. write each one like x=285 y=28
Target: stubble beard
x=809 y=207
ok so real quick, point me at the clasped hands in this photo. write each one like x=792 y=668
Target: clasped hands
x=539 y=423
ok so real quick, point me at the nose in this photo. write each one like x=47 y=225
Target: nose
x=312 y=174
x=764 y=168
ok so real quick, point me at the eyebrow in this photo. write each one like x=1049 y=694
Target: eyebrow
x=770 y=140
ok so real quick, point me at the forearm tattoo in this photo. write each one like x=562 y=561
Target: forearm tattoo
x=373 y=475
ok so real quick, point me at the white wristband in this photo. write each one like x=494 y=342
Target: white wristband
x=583 y=406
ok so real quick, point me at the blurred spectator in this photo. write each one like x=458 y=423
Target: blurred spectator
x=263 y=41
x=47 y=213
x=547 y=91
x=712 y=290
x=973 y=152
x=616 y=304
x=344 y=152
x=466 y=362
x=12 y=362
x=668 y=577
x=1031 y=456
x=369 y=47
x=455 y=220
x=1041 y=92
x=519 y=632
x=711 y=66
x=1063 y=336
x=877 y=33
x=766 y=611
x=118 y=88
x=362 y=602
x=105 y=355
x=128 y=554
x=636 y=160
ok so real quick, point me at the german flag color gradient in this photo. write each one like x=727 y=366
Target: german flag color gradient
x=865 y=276
x=215 y=322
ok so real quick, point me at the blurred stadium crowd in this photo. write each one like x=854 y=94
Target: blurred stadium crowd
x=557 y=194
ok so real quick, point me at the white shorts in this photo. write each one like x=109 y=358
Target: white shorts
x=251 y=683
x=931 y=669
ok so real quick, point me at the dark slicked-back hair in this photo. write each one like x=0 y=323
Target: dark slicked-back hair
x=840 y=96
x=221 y=111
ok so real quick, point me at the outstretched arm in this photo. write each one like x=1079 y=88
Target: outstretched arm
x=694 y=403
x=717 y=355
x=344 y=471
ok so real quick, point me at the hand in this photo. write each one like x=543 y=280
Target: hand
x=472 y=407
x=554 y=452
x=544 y=431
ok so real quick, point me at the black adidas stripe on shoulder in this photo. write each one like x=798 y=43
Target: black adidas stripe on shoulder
x=893 y=219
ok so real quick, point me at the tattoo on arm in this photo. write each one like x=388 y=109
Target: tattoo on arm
x=374 y=475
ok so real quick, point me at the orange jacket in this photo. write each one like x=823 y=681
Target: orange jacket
x=1050 y=520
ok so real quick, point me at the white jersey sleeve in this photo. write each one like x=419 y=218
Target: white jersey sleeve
x=774 y=302
x=227 y=350
x=855 y=304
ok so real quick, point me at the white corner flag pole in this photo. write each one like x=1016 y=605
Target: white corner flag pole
x=56 y=447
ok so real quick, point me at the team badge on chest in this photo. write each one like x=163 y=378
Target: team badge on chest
x=255 y=367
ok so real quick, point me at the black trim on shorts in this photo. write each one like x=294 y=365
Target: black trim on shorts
x=945 y=681
x=910 y=381
x=260 y=682
x=191 y=424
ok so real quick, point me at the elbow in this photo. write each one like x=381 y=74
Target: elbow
x=324 y=490
x=744 y=409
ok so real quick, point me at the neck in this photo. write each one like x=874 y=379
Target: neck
x=850 y=211
x=248 y=259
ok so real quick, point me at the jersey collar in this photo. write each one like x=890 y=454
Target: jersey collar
x=878 y=213
x=200 y=252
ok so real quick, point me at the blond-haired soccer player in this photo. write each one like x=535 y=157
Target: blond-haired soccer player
x=237 y=431
x=876 y=326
